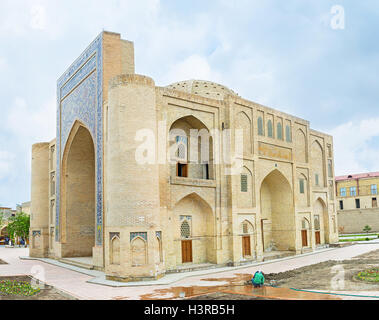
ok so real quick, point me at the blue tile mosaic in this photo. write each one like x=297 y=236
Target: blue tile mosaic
x=80 y=97
x=134 y=235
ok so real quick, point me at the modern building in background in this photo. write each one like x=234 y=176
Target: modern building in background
x=357 y=197
x=93 y=200
x=24 y=207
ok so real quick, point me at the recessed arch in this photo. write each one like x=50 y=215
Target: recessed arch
x=115 y=250
x=197 y=161
x=158 y=254
x=279 y=131
x=317 y=164
x=320 y=209
x=243 y=122
x=195 y=212
x=270 y=129
x=78 y=193
x=305 y=225
x=251 y=229
x=138 y=247
x=245 y=195
x=278 y=175
x=191 y=120
x=277 y=213
x=194 y=196
x=301 y=146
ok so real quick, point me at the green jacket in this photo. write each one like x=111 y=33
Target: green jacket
x=259 y=278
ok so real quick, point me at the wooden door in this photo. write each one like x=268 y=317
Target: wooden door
x=318 y=237
x=186 y=251
x=246 y=248
x=304 y=238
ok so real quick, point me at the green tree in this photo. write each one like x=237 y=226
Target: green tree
x=367 y=229
x=19 y=226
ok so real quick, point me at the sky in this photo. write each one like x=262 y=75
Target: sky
x=315 y=59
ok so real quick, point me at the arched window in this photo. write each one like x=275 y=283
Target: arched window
x=279 y=130
x=244 y=183
x=260 y=126
x=269 y=129
x=305 y=224
x=317 y=222
x=182 y=146
x=115 y=250
x=302 y=185
x=288 y=134
x=185 y=230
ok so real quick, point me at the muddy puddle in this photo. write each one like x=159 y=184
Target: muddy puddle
x=234 y=286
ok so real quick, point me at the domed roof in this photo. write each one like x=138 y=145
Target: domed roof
x=202 y=88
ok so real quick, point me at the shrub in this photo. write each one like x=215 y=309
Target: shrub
x=19 y=288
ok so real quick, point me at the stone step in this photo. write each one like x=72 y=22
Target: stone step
x=278 y=256
x=77 y=264
x=341 y=244
x=193 y=267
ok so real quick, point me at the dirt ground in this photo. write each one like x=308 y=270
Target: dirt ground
x=46 y=293
x=227 y=296
x=322 y=276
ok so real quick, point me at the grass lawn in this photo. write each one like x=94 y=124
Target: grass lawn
x=357 y=239
x=359 y=235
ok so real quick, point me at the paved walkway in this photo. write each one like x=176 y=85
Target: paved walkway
x=77 y=284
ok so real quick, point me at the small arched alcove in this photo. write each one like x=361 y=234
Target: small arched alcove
x=191 y=149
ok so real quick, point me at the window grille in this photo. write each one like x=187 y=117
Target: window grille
x=260 y=126
x=302 y=188
x=181 y=148
x=317 y=222
x=185 y=230
x=244 y=183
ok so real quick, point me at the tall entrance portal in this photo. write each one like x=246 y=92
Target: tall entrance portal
x=78 y=194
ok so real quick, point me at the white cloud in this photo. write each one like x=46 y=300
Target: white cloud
x=193 y=67
x=3 y=63
x=353 y=148
x=31 y=124
x=6 y=164
x=38 y=17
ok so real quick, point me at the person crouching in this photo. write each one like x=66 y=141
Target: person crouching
x=258 y=279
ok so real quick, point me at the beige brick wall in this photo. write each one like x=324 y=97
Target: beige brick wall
x=149 y=198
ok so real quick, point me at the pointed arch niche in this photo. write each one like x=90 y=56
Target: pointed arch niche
x=78 y=197
x=194 y=230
